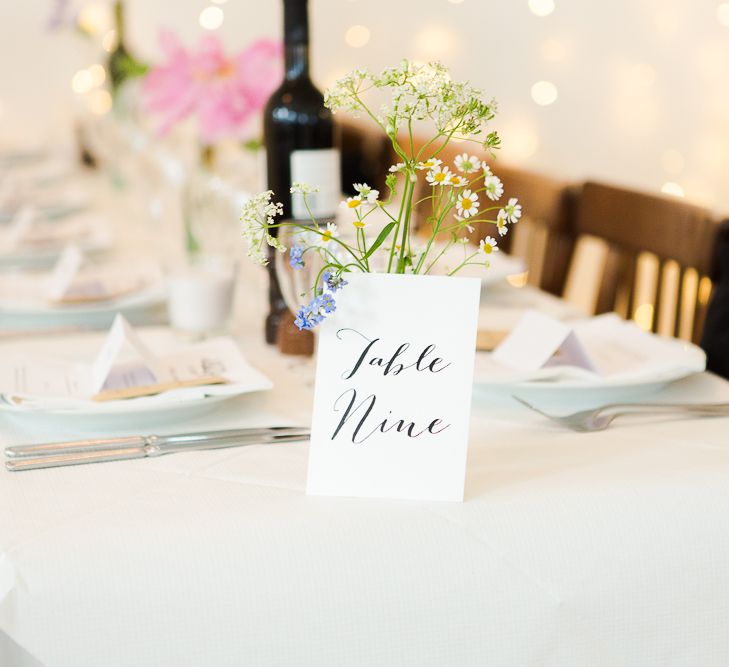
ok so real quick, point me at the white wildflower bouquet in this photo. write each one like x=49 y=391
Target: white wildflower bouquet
x=418 y=93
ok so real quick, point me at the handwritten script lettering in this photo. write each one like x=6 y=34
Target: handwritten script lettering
x=363 y=428
x=393 y=365
x=361 y=415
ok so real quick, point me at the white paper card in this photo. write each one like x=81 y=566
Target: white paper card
x=20 y=226
x=64 y=272
x=141 y=370
x=393 y=388
x=538 y=341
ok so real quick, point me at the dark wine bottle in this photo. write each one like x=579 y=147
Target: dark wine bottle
x=121 y=64
x=300 y=144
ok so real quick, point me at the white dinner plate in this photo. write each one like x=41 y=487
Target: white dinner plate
x=637 y=363
x=174 y=404
x=52 y=203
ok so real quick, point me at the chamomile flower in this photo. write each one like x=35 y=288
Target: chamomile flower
x=438 y=176
x=467 y=204
x=467 y=164
x=461 y=219
x=352 y=202
x=457 y=181
x=486 y=170
x=488 y=246
x=360 y=224
x=366 y=193
x=512 y=210
x=494 y=187
x=329 y=233
x=429 y=163
x=400 y=166
x=501 y=221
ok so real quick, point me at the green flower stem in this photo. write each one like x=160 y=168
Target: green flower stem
x=408 y=185
x=434 y=233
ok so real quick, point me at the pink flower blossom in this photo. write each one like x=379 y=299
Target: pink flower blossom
x=223 y=92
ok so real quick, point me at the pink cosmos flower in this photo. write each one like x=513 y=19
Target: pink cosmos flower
x=222 y=92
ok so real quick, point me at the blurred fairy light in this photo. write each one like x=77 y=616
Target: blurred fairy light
x=93 y=18
x=722 y=14
x=554 y=50
x=541 y=7
x=97 y=73
x=108 y=41
x=82 y=82
x=672 y=161
x=100 y=102
x=434 y=42
x=357 y=36
x=520 y=140
x=211 y=18
x=544 y=93
x=673 y=189
x=642 y=74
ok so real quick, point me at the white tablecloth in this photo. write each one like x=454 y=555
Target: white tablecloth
x=608 y=548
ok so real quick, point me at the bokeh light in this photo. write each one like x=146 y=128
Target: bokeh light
x=211 y=18
x=544 y=93
x=357 y=36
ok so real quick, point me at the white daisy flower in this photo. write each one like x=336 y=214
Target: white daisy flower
x=467 y=163
x=488 y=246
x=366 y=193
x=512 y=210
x=494 y=187
x=352 y=202
x=329 y=233
x=397 y=167
x=456 y=180
x=429 y=163
x=486 y=170
x=467 y=204
x=360 y=224
x=438 y=176
x=501 y=221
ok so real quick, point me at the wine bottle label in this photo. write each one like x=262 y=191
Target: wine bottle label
x=318 y=168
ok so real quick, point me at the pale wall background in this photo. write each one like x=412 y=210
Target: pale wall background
x=643 y=85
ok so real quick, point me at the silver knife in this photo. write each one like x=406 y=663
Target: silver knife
x=100 y=444
x=149 y=448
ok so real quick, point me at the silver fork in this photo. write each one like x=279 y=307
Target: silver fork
x=600 y=418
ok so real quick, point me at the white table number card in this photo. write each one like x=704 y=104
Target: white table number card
x=393 y=388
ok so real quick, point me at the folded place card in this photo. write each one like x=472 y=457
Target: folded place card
x=126 y=368
x=65 y=270
x=19 y=227
x=393 y=388
x=538 y=341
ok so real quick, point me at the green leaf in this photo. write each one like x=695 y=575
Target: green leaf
x=380 y=239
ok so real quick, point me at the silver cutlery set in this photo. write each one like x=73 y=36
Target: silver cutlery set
x=98 y=450
x=50 y=455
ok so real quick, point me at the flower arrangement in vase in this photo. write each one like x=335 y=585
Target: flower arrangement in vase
x=462 y=196
x=222 y=94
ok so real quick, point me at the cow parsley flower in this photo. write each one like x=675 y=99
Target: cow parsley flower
x=257 y=217
x=303 y=189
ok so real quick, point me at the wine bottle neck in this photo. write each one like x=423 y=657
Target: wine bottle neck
x=296 y=59
x=119 y=22
x=296 y=39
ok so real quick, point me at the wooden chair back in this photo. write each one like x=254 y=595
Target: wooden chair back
x=679 y=237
